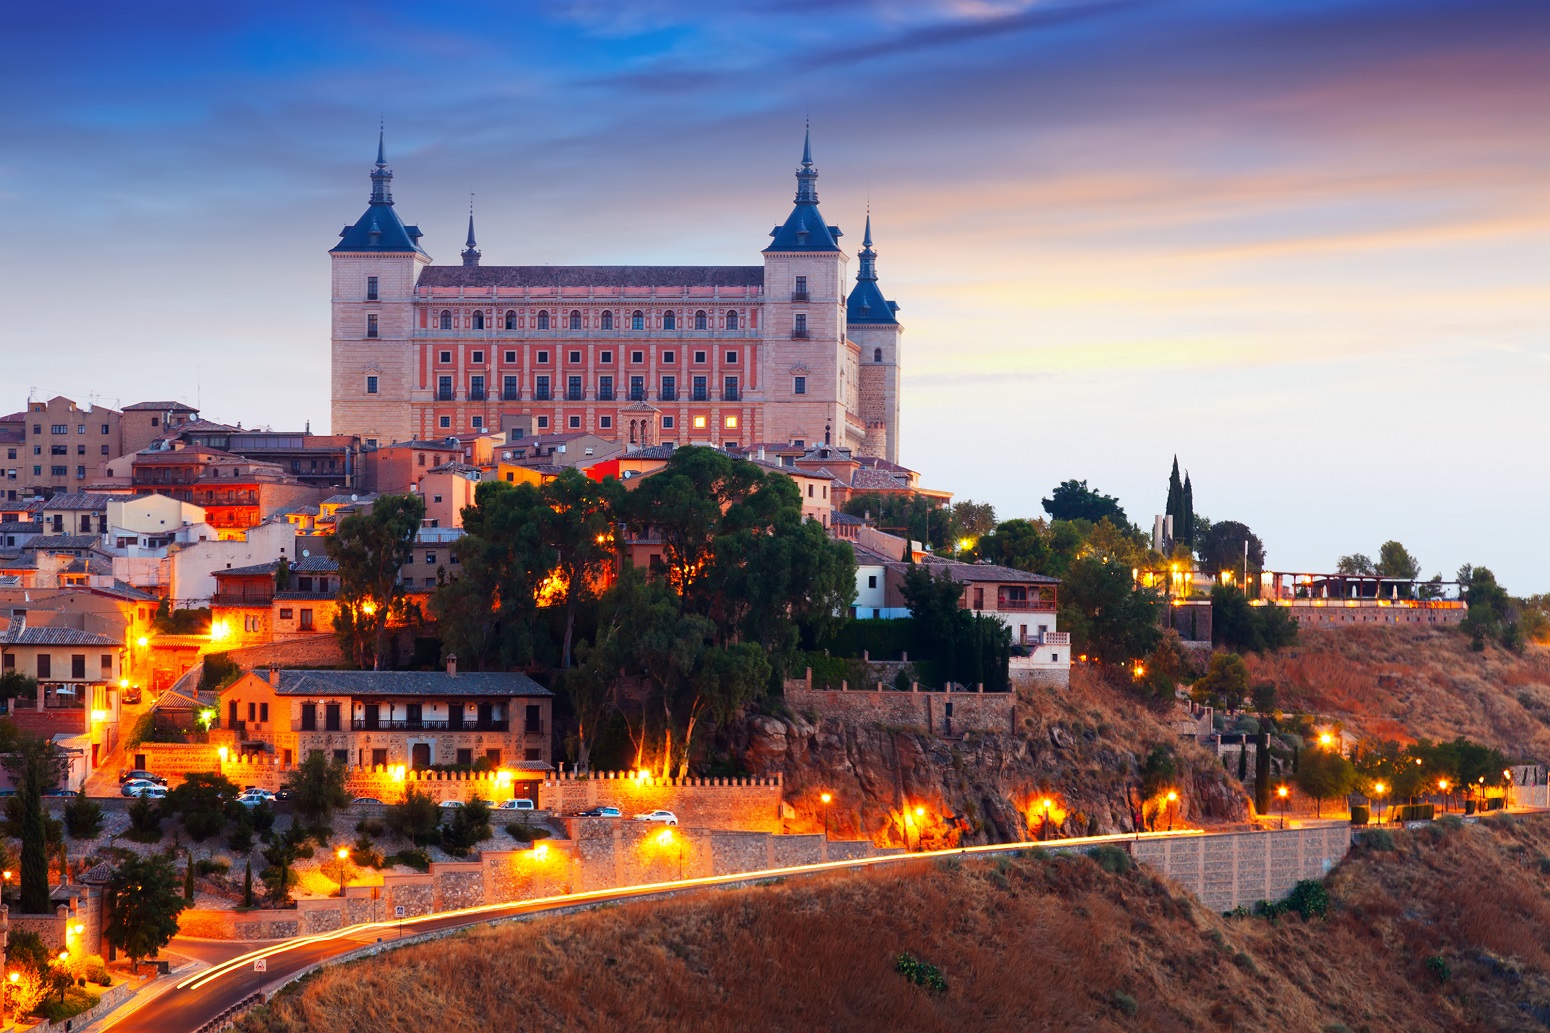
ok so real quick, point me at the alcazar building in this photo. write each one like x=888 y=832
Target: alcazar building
x=787 y=351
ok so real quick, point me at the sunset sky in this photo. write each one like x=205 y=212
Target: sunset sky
x=1305 y=246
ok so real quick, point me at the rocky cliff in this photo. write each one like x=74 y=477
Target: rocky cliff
x=1079 y=748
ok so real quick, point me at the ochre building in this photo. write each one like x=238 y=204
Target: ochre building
x=787 y=351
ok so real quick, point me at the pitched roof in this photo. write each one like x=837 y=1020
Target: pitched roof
x=592 y=276
x=78 y=500
x=988 y=572
x=159 y=407
x=379 y=229
x=805 y=229
x=407 y=683
x=51 y=636
x=47 y=543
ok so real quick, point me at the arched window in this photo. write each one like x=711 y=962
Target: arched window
x=669 y=322
x=478 y=320
x=699 y=320
x=543 y=320
x=511 y=319
x=608 y=320
x=637 y=320
x=575 y=319
x=877 y=355
x=446 y=319
x=731 y=320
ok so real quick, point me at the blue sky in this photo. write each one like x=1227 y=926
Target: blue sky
x=1305 y=246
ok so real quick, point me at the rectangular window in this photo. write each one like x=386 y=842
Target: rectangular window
x=371 y=288
x=543 y=358
x=699 y=423
x=871 y=581
x=575 y=423
x=78 y=665
x=331 y=717
x=444 y=389
x=59 y=471
x=605 y=422
x=699 y=394
x=104 y=428
x=541 y=389
x=309 y=717
x=477 y=358
x=605 y=357
x=637 y=357
x=731 y=358
x=445 y=422
x=341 y=756
x=799 y=326
x=667 y=423
x=371 y=324
x=699 y=358
x=511 y=356
x=285 y=614
x=669 y=357
x=509 y=389
x=476 y=389
x=729 y=389
x=669 y=389
x=605 y=389
x=543 y=421
x=445 y=359
x=575 y=358
x=637 y=390
x=104 y=451
x=60 y=428
x=371 y=385
x=730 y=423
x=252 y=711
x=477 y=422
x=573 y=389
x=799 y=292
x=494 y=757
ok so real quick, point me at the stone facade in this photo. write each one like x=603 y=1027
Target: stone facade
x=745 y=804
x=940 y=713
x=756 y=353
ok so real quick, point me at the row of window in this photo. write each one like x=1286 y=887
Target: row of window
x=577 y=357
x=45 y=665
x=55 y=450
x=636 y=391
x=64 y=428
x=53 y=471
x=604 y=422
x=545 y=320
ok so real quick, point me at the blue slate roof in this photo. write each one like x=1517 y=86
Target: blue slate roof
x=866 y=303
x=380 y=229
x=805 y=229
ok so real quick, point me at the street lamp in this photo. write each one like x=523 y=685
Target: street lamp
x=343 y=853
x=5 y=1000
x=1173 y=798
x=1044 y=828
x=1378 y=790
x=1506 y=789
x=826 y=797
x=920 y=841
x=1442 y=786
x=1283 y=793
x=1326 y=740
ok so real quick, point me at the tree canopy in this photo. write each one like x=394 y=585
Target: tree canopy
x=371 y=548
x=1074 y=500
x=35 y=765
x=1108 y=613
x=145 y=901
x=1221 y=548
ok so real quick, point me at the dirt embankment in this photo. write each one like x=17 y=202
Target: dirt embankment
x=1443 y=932
x=1409 y=682
x=1080 y=747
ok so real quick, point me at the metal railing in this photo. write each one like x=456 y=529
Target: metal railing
x=361 y=724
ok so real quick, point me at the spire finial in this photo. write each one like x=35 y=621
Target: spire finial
x=471 y=252
x=381 y=139
x=381 y=176
x=807 y=176
x=807 y=143
x=866 y=240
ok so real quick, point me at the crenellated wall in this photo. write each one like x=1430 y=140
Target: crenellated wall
x=744 y=804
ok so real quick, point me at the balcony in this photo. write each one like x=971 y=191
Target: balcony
x=427 y=725
x=637 y=394
x=731 y=394
x=669 y=394
x=574 y=394
x=242 y=598
x=511 y=394
x=798 y=295
x=1040 y=605
x=446 y=394
x=799 y=334
x=699 y=395
x=605 y=394
x=476 y=394
x=540 y=394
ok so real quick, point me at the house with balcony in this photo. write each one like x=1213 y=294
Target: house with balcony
x=76 y=700
x=417 y=719
x=250 y=605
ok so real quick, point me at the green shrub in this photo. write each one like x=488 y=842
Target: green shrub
x=1124 y=1002
x=1438 y=966
x=144 y=821
x=921 y=973
x=1245 y=962
x=1309 y=898
x=1112 y=859
x=75 y=1001
x=211 y=866
x=528 y=833
x=414 y=858
x=83 y=817
x=1378 y=839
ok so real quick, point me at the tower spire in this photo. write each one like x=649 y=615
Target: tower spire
x=471 y=252
x=807 y=176
x=868 y=257
x=381 y=175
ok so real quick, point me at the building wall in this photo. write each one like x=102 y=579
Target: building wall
x=83 y=429
x=153 y=514
x=940 y=713
x=383 y=417
x=445 y=495
x=880 y=381
x=193 y=565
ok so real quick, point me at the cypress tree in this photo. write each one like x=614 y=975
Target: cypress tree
x=1175 y=507
x=1187 y=533
x=34 y=850
x=1262 y=773
x=188 y=879
x=247 y=885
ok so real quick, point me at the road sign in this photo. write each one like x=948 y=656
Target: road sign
x=398 y=910
x=260 y=964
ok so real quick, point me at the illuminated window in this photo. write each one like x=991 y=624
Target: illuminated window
x=730 y=423
x=699 y=423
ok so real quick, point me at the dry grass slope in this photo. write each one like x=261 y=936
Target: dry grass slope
x=1025 y=944
x=1398 y=682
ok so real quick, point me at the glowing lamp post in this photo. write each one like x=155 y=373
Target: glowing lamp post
x=1378 y=790
x=1282 y=792
x=1442 y=787
x=1506 y=789
x=10 y=981
x=343 y=853
x=1173 y=799
x=666 y=837
x=920 y=829
x=1326 y=740
x=1045 y=805
x=826 y=798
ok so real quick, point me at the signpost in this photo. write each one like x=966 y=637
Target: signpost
x=260 y=966
x=398 y=913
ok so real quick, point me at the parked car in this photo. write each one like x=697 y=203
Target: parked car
x=58 y=791
x=254 y=797
x=283 y=794
x=601 y=812
x=363 y=800
x=452 y=803
x=144 y=776
x=519 y=804
x=134 y=785
x=150 y=792
x=130 y=695
x=665 y=817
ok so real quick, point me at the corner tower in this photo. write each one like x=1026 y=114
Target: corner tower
x=874 y=327
x=375 y=266
x=807 y=367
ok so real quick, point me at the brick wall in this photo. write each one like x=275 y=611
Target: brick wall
x=744 y=804
x=970 y=711
x=1241 y=868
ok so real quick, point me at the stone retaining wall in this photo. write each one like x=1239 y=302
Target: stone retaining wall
x=939 y=713
x=1227 y=870
x=743 y=804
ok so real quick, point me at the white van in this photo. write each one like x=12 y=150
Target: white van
x=519 y=804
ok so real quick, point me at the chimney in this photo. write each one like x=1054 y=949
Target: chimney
x=451 y=665
x=274 y=677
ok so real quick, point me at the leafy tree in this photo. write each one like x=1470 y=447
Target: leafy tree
x=1356 y=563
x=1108 y=614
x=415 y=818
x=1185 y=533
x=201 y=802
x=83 y=817
x=1324 y=775
x=1395 y=561
x=281 y=857
x=1073 y=500
x=1264 y=696
x=1158 y=771
x=144 y=906
x=1225 y=683
x=973 y=520
x=317 y=789
x=1181 y=506
x=35 y=765
x=1221 y=547
x=1021 y=544
x=470 y=826
x=1492 y=614
x=914 y=517
x=1238 y=625
x=14 y=684
x=955 y=644
x=488 y=615
x=370 y=549
x=579 y=526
